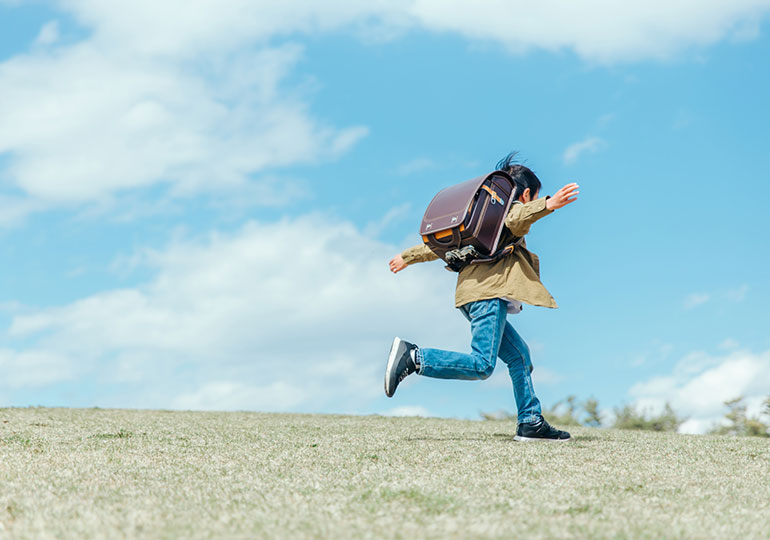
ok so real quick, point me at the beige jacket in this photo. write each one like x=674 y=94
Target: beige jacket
x=517 y=276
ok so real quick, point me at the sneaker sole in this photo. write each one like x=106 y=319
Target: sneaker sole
x=391 y=361
x=538 y=439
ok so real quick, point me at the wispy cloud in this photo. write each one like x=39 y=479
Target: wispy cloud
x=655 y=351
x=606 y=119
x=738 y=294
x=14 y=210
x=375 y=228
x=416 y=165
x=729 y=344
x=48 y=34
x=575 y=150
x=696 y=299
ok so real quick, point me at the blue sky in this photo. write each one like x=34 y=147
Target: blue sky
x=197 y=211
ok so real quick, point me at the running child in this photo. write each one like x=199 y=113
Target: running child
x=486 y=293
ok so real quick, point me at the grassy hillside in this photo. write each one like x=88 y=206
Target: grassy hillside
x=68 y=473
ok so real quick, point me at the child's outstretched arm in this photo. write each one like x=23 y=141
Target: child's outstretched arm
x=521 y=216
x=415 y=254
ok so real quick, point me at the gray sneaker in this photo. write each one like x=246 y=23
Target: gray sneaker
x=400 y=364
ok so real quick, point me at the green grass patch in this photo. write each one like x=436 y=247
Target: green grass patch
x=120 y=434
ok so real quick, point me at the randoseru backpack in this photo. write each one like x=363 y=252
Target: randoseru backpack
x=463 y=223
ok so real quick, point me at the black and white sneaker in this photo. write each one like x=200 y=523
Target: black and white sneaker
x=401 y=363
x=540 y=431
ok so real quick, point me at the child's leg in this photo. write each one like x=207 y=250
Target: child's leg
x=515 y=353
x=487 y=319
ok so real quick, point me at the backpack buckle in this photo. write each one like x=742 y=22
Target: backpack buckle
x=457 y=259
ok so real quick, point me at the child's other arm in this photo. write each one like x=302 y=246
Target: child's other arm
x=415 y=254
x=521 y=216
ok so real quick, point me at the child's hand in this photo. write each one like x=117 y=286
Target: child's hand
x=397 y=264
x=563 y=197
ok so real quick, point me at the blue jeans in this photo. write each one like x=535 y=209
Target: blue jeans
x=492 y=336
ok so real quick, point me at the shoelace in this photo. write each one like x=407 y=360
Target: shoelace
x=406 y=372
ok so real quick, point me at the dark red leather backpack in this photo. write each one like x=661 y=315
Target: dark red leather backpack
x=463 y=223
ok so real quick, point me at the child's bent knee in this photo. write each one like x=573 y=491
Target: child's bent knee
x=487 y=369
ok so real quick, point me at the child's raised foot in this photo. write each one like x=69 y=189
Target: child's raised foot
x=401 y=363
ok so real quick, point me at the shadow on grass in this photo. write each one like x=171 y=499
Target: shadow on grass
x=496 y=437
x=585 y=438
x=470 y=437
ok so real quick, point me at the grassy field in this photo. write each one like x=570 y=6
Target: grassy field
x=94 y=473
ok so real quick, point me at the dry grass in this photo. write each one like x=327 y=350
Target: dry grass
x=68 y=473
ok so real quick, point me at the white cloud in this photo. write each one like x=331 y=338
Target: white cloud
x=603 y=31
x=35 y=368
x=295 y=315
x=193 y=94
x=573 y=151
x=696 y=299
x=408 y=410
x=189 y=28
x=597 y=30
x=190 y=97
x=71 y=141
x=235 y=395
x=700 y=384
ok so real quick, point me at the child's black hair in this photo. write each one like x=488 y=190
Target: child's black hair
x=522 y=176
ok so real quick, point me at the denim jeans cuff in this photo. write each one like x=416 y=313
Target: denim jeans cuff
x=420 y=361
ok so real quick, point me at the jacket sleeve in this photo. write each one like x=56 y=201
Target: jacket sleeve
x=521 y=216
x=420 y=253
